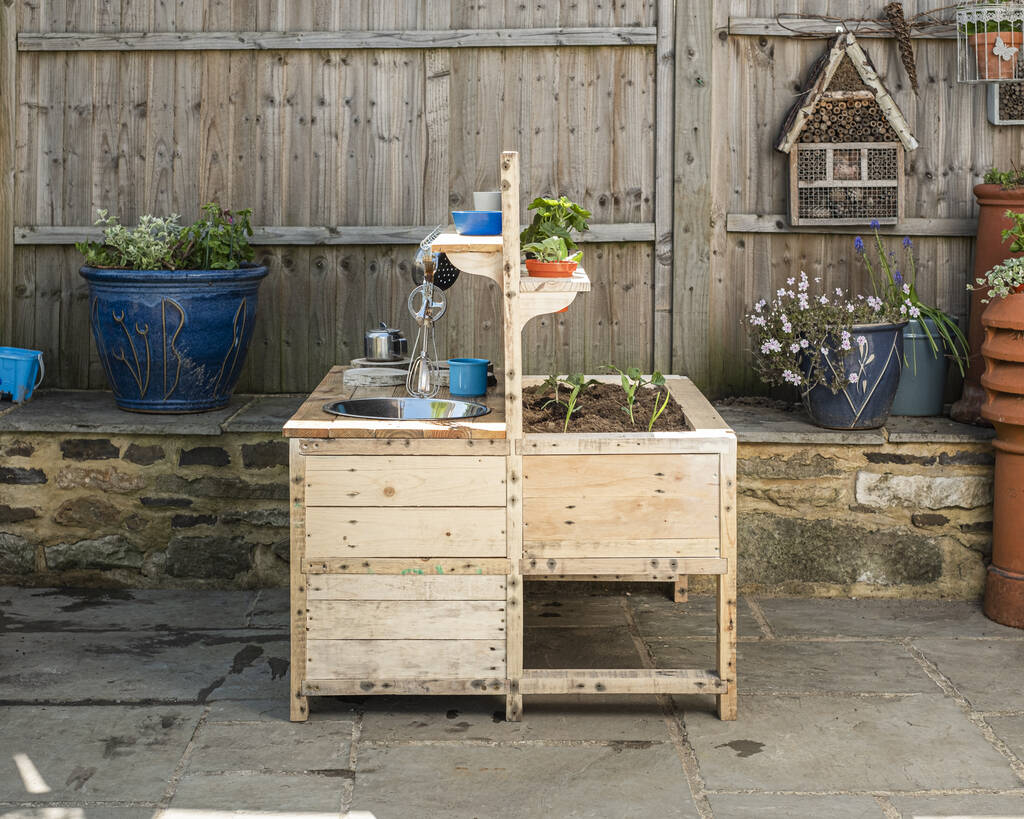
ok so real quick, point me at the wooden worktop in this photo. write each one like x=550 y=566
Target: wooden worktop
x=312 y=422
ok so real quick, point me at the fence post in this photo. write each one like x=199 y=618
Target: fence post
x=8 y=112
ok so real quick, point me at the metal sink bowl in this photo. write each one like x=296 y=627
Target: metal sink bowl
x=407 y=409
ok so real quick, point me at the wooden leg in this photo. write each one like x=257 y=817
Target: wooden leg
x=727 y=641
x=682 y=586
x=514 y=704
x=300 y=706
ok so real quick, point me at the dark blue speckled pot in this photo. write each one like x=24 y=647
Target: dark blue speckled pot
x=876 y=363
x=173 y=341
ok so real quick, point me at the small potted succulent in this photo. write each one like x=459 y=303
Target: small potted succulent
x=843 y=353
x=172 y=308
x=930 y=336
x=547 y=241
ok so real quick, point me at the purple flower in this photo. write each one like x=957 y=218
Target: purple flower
x=858 y=244
x=874 y=224
x=897 y=276
x=907 y=243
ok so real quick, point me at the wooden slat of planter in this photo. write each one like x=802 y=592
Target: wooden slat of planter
x=403 y=446
x=405 y=620
x=582 y=476
x=343 y=688
x=665 y=547
x=726 y=600
x=629 y=518
x=699 y=411
x=622 y=443
x=417 y=587
x=409 y=565
x=385 y=659
x=298 y=705
x=620 y=681
x=421 y=480
x=363 y=532
x=608 y=578
x=633 y=565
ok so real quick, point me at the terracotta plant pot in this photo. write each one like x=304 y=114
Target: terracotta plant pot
x=990 y=65
x=550 y=270
x=989 y=251
x=1003 y=381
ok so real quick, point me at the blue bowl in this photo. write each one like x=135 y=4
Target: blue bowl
x=477 y=222
x=467 y=376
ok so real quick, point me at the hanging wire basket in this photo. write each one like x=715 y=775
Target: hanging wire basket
x=989 y=40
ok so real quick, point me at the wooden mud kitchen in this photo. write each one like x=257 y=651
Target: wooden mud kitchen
x=411 y=539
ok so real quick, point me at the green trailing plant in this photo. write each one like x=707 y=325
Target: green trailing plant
x=1007 y=180
x=898 y=292
x=1007 y=276
x=552 y=249
x=576 y=384
x=632 y=379
x=555 y=218
x=218 y=240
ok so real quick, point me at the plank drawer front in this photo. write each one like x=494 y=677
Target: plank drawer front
x=410 y=480
x=391 y=659
x=657 y=505
x=405 y=620
x=362 y=532
x=405 y=587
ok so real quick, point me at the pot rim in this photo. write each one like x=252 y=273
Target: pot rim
x=881 y=325
x=117 y=275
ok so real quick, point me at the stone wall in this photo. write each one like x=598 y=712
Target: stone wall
x=900 y=512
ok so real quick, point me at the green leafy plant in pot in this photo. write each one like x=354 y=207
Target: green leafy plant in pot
x=548 y=241
x=995 y=37
x=172 y=308
x=931 y=337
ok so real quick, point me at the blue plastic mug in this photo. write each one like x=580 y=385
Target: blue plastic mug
x=467 y=376
x=21 y=371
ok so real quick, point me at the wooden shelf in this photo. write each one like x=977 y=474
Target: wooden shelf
x=457 y=243
x=579 y=282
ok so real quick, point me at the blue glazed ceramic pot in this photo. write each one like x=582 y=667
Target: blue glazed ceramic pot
x=173 y=341
x=875 y=363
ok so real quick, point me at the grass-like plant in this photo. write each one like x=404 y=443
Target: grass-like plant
x=576 y=384
x=632 y=379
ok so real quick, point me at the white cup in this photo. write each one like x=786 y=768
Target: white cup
x=486 y=200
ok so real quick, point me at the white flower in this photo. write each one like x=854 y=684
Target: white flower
x=874 y=303
x=845 y=343
x=805 y=343
x=903 y=309
x=790 y=281
x=823 y=299
x=839 y=292
x=861 y=340
x=804 y=304
x=915 y=312
x=854 y=378
x=824 y=350
x=794 y=347
x=817 y=279
x=791 y=377
x=846 y=335
x=787 y=327
x=757 y=321
x=906 y=288
x=780 y=292
x=772 y=345
x=850 y=308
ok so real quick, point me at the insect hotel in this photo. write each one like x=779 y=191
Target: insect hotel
x=411 y=539
x=846 y=141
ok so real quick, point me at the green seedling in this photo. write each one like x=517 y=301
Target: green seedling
x=575 y=384
x=632 y=380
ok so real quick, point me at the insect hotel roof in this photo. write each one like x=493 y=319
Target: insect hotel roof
x=846 y=139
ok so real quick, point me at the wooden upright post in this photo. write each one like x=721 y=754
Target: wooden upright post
x=727 y=702
x=514 y=429
x=8 y=113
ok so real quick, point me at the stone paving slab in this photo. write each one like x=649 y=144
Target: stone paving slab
x=271 y=609
x=550 y=718
x=275 y=747
x=265 y=413
x=657 y=616
x=881 y=618
x=337 y=709
x=973 y=806
x=765 y=425
x=905 y=429
x=826 y=743
x=296 y=794
x=787 y=806
x=989 y=673
x=94 y=753
x=95 y=411
x=126 y=666
x=521 y=782
x=99 y=811
x=121 y=609
x=266 y=677
x=1011 y=731
x=779 y=666
x=552 y=647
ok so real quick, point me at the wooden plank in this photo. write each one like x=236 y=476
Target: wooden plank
x=421 y=480
x=409 y=566
x=409 y=587
x=699 y=412
x=681 y=589
x=628 y=518
x=620 y=681
x=779 y=223
x=554 y=443
x=298 y=40
x=791 y=26
x=404 y=446
x=299 y=705
x=577 y=282
x=663 y=547
x=664 y=159
x=586 y=477
x=405 y=619
x=652 y=577
x=726 y=600
x=633 y=565
x=8 y=129
x=361 y=532
x=387 y=659
x=417 y=686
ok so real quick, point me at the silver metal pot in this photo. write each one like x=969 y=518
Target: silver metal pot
x=385 y=344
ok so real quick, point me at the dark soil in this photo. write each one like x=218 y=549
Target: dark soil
x=599 y=409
